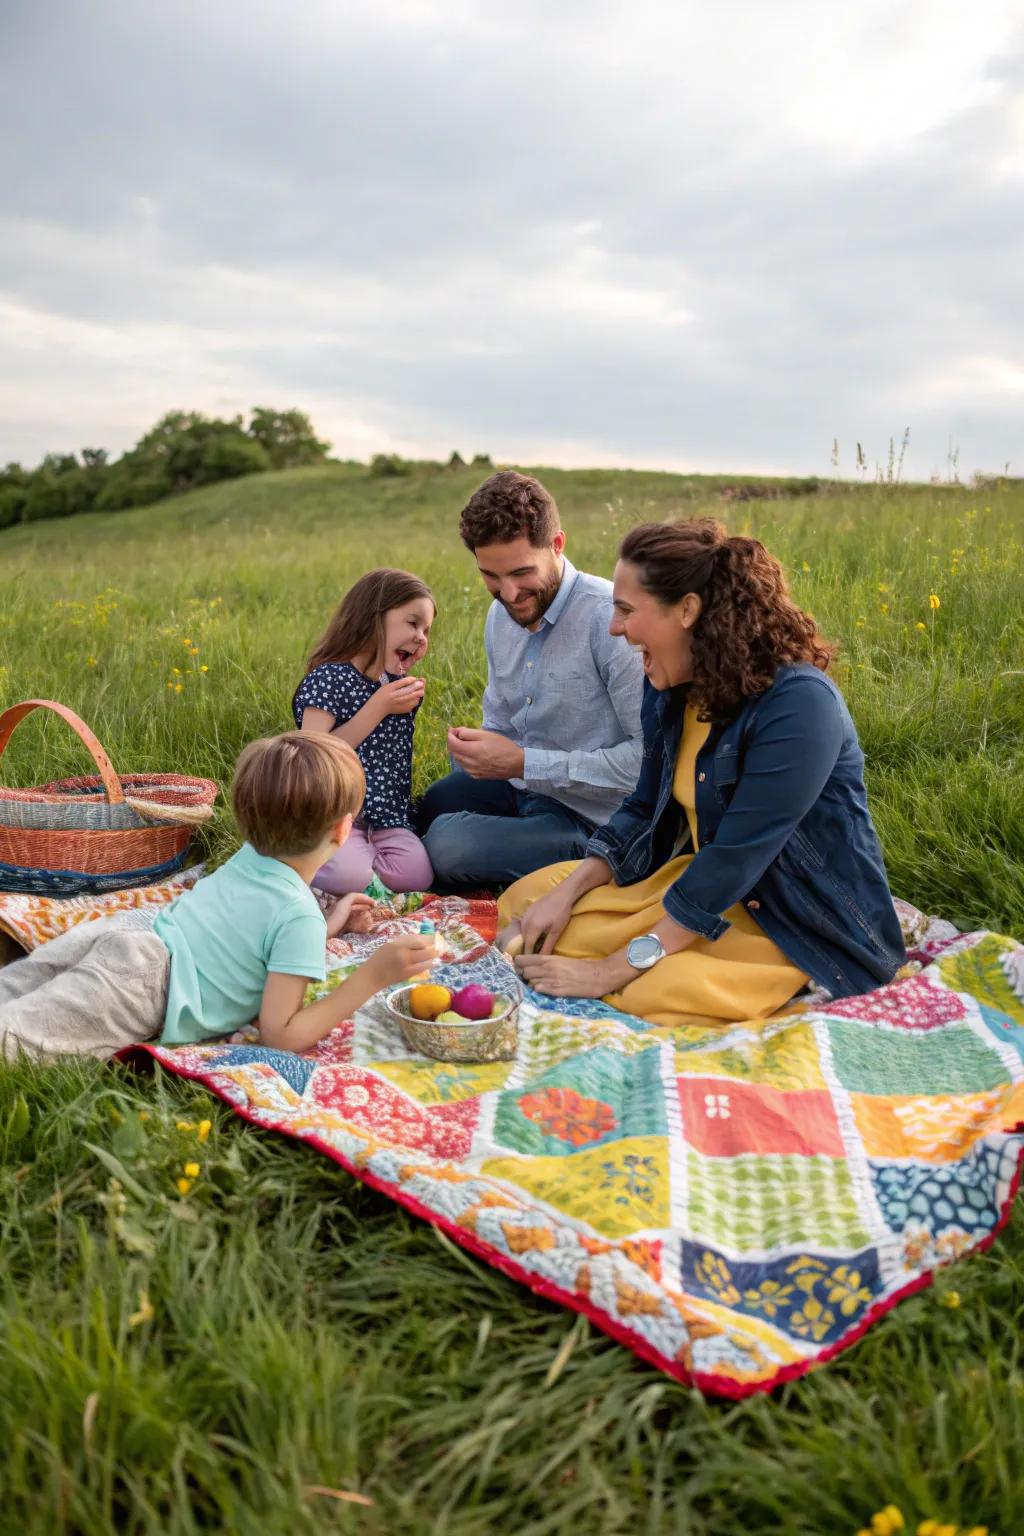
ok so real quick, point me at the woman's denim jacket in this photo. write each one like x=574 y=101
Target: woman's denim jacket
x=783 y=826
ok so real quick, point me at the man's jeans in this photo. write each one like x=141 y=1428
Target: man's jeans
x=485 y=832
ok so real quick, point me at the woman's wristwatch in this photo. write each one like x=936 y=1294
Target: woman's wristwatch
x=645 y=951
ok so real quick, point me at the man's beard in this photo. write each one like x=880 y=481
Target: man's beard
x=541 y=602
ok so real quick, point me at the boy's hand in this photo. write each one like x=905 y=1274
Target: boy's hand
x=402 y=696
x=402 y=958
x=351 y=914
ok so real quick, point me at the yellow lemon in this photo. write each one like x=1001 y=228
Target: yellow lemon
x=428 y=1000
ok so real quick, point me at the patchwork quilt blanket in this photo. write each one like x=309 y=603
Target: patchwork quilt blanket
x=734 y=1203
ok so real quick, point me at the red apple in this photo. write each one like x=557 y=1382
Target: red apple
x=473 y=1002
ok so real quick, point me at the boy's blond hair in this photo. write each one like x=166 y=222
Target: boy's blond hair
x=288 y=790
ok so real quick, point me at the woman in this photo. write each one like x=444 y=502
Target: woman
x=745 y=864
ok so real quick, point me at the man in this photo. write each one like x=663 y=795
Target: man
x=561 y=744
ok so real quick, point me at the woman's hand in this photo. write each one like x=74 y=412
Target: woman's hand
x=402 y=696
x=560 y=977
x=543 y=923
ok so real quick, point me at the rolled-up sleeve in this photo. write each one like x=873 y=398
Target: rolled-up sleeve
x=795 y=743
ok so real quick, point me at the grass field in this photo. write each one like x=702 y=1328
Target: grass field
x=297 y=1333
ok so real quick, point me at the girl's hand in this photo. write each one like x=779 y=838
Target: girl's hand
x=543 y=923
x=351 y=914
x=560 y=977
x=401 y=959
x=402 y=696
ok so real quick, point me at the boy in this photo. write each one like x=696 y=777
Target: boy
x=243 y=944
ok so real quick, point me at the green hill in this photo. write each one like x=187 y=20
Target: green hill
x=96 y=611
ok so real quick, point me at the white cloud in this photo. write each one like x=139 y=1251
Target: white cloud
x=701 y=236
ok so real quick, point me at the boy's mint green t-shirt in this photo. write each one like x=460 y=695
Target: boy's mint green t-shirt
x=252 y=915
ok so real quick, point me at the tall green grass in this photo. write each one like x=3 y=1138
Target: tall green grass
x=207 y=1365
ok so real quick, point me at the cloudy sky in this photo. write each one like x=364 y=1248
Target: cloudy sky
x=697 y=234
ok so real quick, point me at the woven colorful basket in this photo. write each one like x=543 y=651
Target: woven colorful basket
x=101 y=833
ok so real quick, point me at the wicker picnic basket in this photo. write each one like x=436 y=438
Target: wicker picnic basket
x=99 y=833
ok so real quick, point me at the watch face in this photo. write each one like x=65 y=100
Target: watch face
x=643 y=950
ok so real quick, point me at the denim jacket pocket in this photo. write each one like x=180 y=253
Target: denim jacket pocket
x=725 y=768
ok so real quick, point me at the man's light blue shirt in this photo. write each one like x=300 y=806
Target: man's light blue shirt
x=569 y=694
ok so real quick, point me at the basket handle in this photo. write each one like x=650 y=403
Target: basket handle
x=17 y=712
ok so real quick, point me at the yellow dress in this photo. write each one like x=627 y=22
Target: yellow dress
x=742 y=975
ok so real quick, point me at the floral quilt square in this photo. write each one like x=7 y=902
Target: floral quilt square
x=722 y=1118
x=595 y=1097
x=617 y=1189
x=810 y=1295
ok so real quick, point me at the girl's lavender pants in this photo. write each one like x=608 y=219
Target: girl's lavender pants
x=394 y=854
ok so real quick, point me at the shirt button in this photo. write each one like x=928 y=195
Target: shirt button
x=701 y=777
x=529 y=698
x=529 y=663
x=754 y=906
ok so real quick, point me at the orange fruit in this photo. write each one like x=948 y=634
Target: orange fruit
x=428 y=1000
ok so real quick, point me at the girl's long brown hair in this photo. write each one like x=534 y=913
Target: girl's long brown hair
x=356 y=627
x=749 y=625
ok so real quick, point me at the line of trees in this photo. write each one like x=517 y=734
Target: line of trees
x=184 y=450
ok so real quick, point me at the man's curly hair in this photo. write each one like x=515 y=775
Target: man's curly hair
x=506 y=507
x=749 y=625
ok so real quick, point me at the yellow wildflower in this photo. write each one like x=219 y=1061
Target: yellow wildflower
x=205 y=1126
x=145 y=1313
x=204 y=669
x=977 y=1530
x=179 y=687
x=883 y=607
x=883 y=586
x=90 y=661
x=176 y=671
x=191 y=1170
x=951 y=1299
x=143 y=1114
x=860 y=623
x=933 y=601
x=887 y=1520
x=895 y=1515
x=805 y=566
x=186 y=642
x=183 y=1186
x=185 y=1125
x=927 y=1528
x=921 y=625
x=945 y=1530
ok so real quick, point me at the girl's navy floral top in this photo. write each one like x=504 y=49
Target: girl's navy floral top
x=386 y=754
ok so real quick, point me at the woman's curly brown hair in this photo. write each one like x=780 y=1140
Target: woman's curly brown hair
x=749 y=625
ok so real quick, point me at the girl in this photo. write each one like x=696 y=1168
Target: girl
x=357 y=684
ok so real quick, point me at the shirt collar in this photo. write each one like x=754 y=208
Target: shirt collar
x=565 y=586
